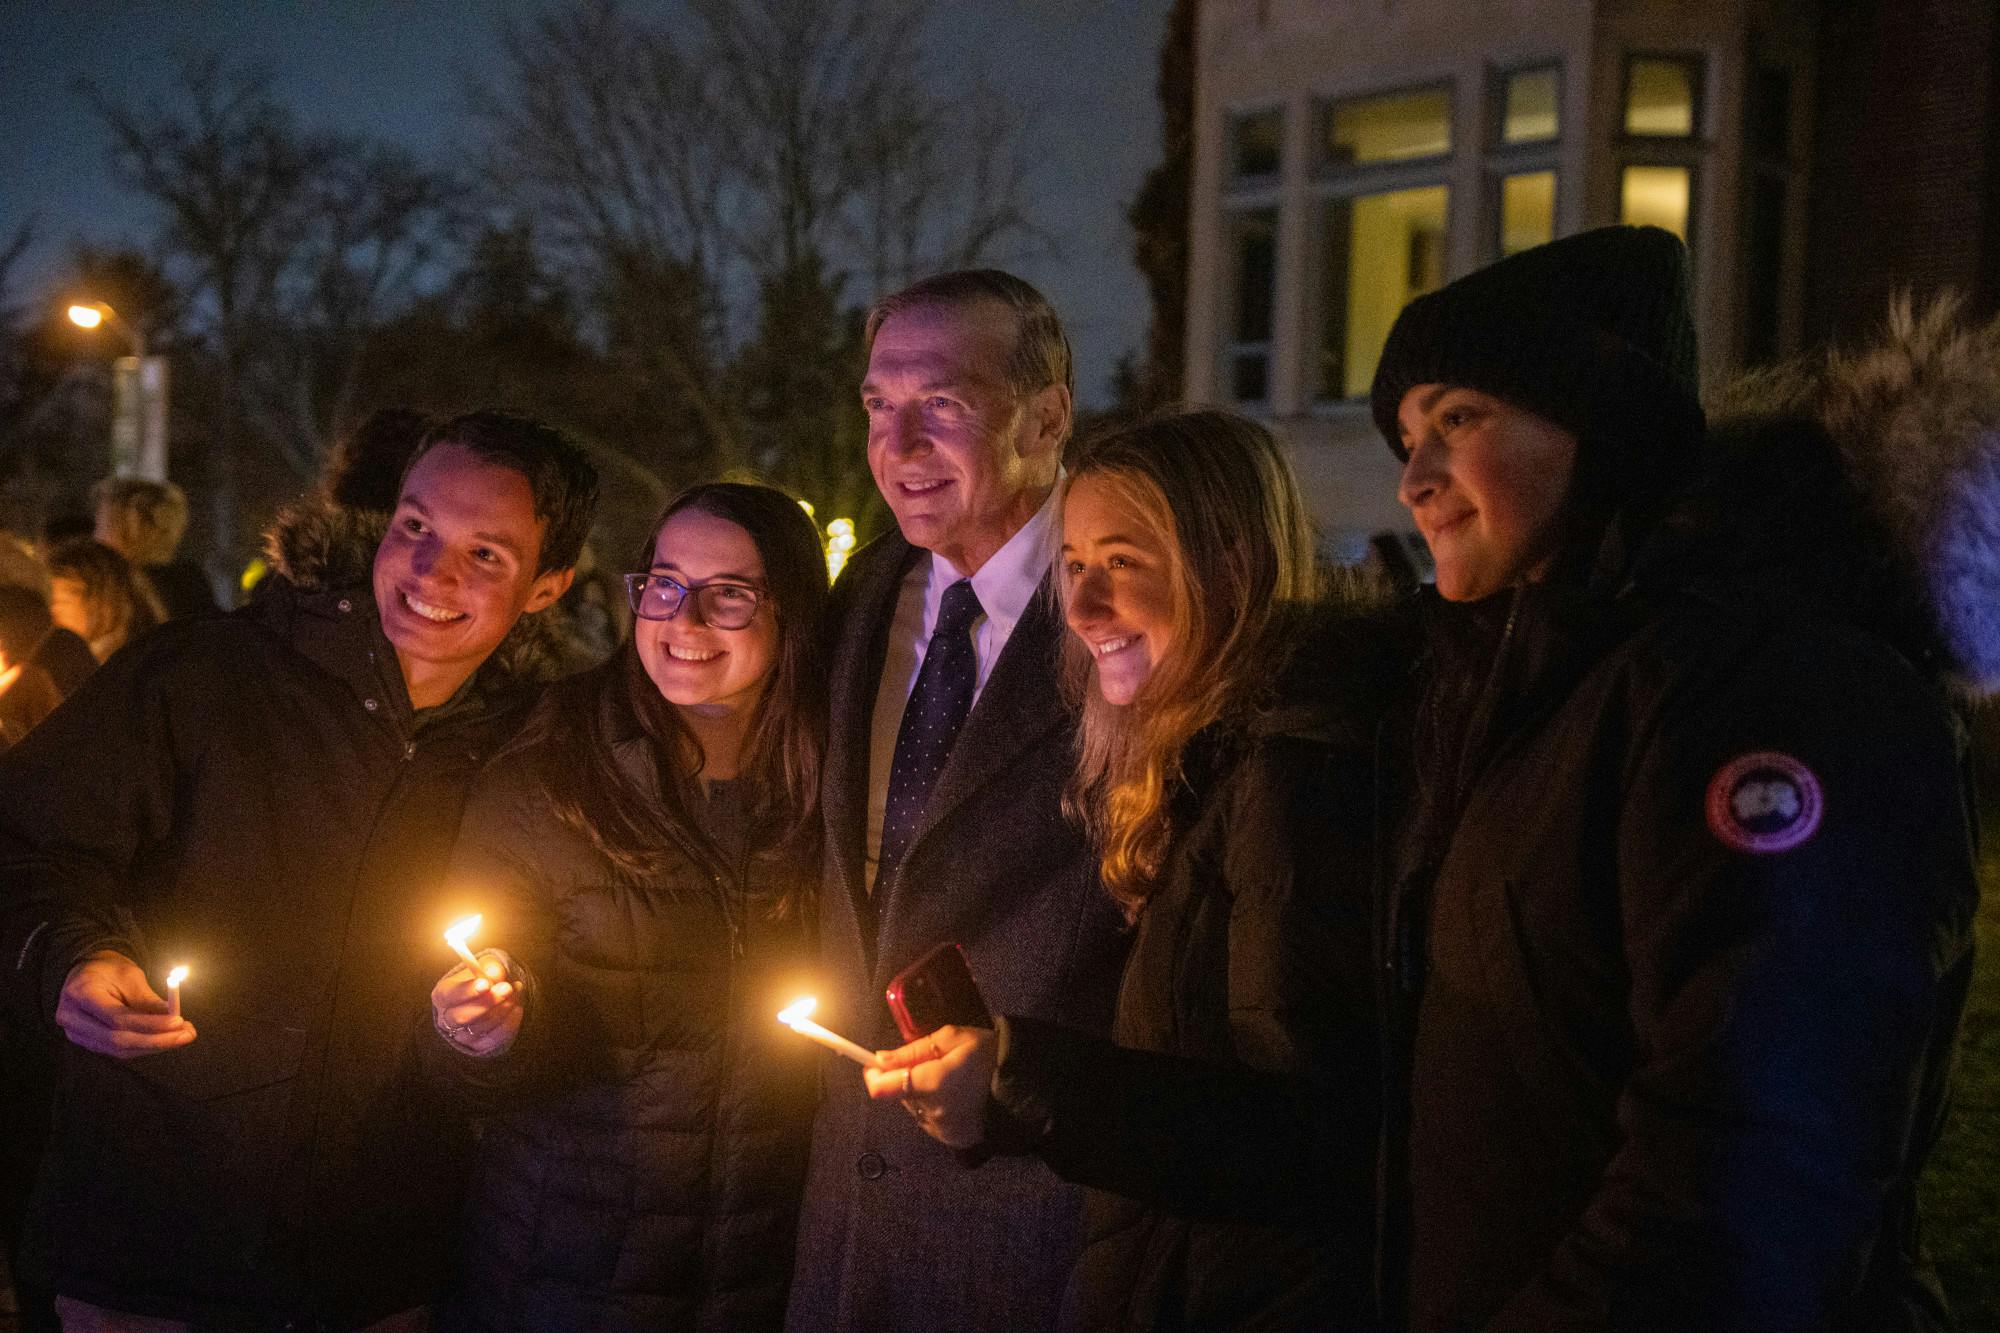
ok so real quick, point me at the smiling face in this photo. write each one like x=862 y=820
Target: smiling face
x=963 y=460
x=695 y=665
x=457 y=568
x=1486 y=482
x=1117 y=587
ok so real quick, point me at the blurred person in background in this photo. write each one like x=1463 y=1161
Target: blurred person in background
x=98 y=595
x=144 y=521
x=24 y=609
x=27 y=692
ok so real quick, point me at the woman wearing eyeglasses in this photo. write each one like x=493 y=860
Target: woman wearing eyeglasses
x=642 y=854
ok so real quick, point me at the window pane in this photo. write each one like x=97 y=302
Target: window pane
x=1254 y=259
x=1527 y=210
x=1250 y=377
x=1656 y=197
x=1531 y=114
x=1394 y=128
x=1659 y=98
x=1377 y=252
x=1256 y=245
x=1257 y=143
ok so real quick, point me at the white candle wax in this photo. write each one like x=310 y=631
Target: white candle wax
x=794 y=1017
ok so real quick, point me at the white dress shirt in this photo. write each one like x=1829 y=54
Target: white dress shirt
x=1004 y=586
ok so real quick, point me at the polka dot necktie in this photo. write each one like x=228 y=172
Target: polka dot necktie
x=937 y=708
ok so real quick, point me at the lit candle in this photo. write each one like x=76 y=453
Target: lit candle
x=457 y=933
x=794 y=1017
x=174 y=980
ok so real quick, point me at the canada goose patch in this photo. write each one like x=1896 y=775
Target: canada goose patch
x=1764 y=803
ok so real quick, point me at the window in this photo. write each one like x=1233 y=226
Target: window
x=1662 y=94
x=1394 y=127
x=1377 y=252
x=1256 y=145
x=1525 y=133
x=1662 y=147
x=1530 y=106
x=1253 y=252
x=1656 y=197
x=1527 y=210
x=1379 y=229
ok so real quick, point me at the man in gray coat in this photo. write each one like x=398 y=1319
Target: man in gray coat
x=947 y=755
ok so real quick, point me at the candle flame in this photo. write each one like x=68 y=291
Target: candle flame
x=177 y=976
x=461 y=930
x=798 y=1011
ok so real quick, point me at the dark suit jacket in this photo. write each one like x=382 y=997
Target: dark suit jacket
x=895 y=1233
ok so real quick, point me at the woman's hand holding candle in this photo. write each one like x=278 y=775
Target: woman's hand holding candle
x=476 y=1008
x=944 y=1081
x=109 y=1007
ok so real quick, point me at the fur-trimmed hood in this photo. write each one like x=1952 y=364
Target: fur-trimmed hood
x=1869 y=482
x=316 y=545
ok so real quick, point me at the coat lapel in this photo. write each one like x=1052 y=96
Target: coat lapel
x=860 y=646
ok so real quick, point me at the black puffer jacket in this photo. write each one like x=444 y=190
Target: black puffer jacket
x=646 y=1146
x=1683 y=930
x=1227 y=1129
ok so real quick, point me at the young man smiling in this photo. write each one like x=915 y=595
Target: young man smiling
x=268 y=799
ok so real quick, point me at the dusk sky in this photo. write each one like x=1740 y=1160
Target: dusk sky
x=1084 y=68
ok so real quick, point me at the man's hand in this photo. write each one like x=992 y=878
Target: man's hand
x=109 y=1007
x=479 y=1013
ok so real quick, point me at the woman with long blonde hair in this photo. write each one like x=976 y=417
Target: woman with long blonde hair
x=1227 y=1130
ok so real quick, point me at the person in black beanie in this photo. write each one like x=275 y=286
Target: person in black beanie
x=1678 y=935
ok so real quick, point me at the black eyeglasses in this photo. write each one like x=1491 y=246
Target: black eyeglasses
x=720 y=605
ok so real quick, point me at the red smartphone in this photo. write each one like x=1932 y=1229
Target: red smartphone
x=937 y=991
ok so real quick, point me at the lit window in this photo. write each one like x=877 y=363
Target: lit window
x=1660 y=97
x=1253 y=246
x=1256 y=144
x=1527 y=210
x=1377 y=251
x=1656 y=197
x=1529 y=112
x=1395 y=127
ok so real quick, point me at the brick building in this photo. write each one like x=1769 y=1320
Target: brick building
x=1349 y=154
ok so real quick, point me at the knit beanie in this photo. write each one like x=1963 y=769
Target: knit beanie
x=1591 y=332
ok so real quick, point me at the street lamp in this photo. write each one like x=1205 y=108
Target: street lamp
x=139 y=397
x=91 y=314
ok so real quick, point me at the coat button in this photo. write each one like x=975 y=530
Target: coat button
x=369 y=704
x=346 y=605
x=871 y=1166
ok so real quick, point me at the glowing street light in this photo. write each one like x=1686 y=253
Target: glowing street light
x=139 y=397
x=92 y=314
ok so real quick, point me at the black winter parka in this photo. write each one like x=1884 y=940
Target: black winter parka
x=1683 y=928
x=250 y=795
x=1227 y=1129
x=645 y=1136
